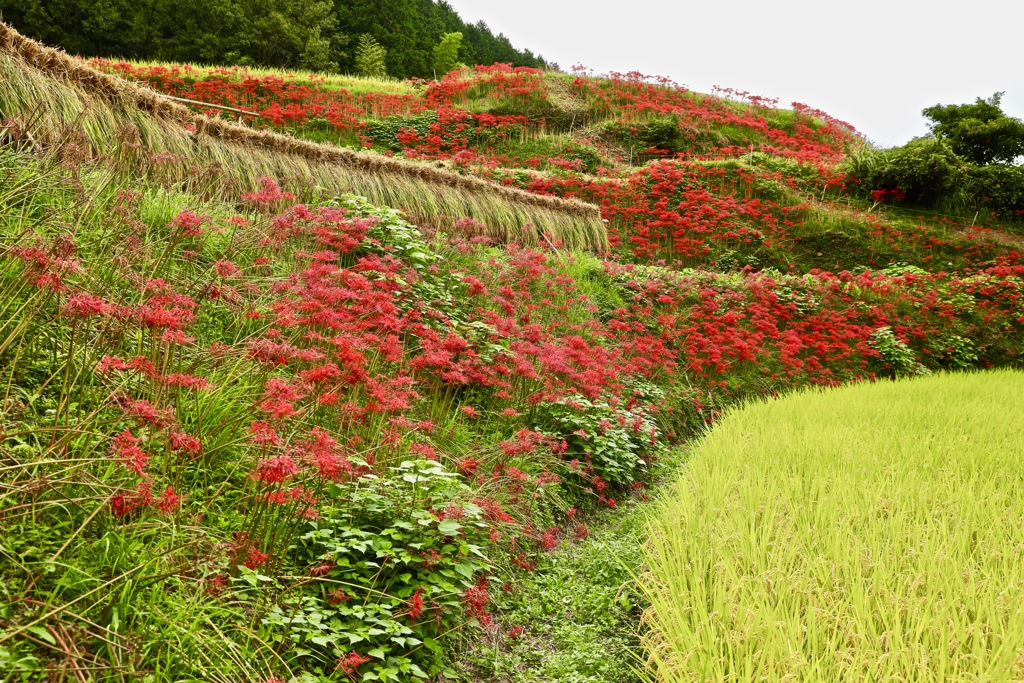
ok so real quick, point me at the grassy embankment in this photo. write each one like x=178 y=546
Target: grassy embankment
x=52 y=96
x=867 y=533
x=691 y=179
x=248 y=435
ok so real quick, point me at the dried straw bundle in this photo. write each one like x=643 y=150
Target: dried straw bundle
x=53 y=95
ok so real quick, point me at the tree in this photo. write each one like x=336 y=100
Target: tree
x=446 y=53
x=979 y=132
x=275 y=33
x=370 y=57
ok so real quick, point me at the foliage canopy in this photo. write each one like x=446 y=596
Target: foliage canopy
x=446 y=53
x=307 y=34
x=966 y=164
x=979 y=132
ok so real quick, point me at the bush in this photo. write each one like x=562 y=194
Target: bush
x=1000 y=189
x=979 y=132
x=446 y=53
x=929 y=174
x=615 y=443
x=926 y=170
x=385 y=133
x=662 y=133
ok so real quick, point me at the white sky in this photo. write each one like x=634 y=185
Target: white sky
x=873 y=63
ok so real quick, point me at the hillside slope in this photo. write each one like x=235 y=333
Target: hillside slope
x=59 y=97
x=256 y=430
x=687 y=179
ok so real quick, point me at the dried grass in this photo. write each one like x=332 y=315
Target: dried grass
x=49 y=96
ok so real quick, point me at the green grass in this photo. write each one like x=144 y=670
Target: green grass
x=869 y=533
x=578 y=610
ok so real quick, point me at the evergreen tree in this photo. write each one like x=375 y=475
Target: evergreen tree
x=370 y=57
x=310 y=34
x=446 y=54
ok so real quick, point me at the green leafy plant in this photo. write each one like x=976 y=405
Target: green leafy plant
x=389 y=561
x=897 y=359
x=616 y=442
x=979 y=132
x=446 y=53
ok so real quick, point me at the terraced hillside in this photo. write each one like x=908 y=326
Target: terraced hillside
x=254 y=427
x=682 y=178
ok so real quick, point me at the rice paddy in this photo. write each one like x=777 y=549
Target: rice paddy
x=863 y=534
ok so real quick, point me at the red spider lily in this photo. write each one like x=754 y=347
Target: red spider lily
x=475 y=600
x=126 y=447
x=142 y=411
x=169 y=501
x=255 y=558
x=276 y=470
x=326 y=456
x=269 y=193
x=225 y=268
x=549 y=541
x=416 y=604
x=423 y=450
x=262 y=434
x=468 y=466
x=85 y=305
x=182 y=442
x=189 y=223
x=125 y=505
x=279 y=399
x=351 y=662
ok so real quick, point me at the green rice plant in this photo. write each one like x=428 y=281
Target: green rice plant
x=863 y=534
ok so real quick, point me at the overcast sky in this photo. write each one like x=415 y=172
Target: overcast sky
x=872 y=63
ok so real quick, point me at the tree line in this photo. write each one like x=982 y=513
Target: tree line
x=320 y=35
x=971 y=160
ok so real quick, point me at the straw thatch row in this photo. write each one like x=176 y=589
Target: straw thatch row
x=53 y=92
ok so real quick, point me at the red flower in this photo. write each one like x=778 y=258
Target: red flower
x=416 y=604
x=276 y=470
x=184 y=443
x=475 y=600
x=255 y=558
x=262 y=434
x=124 y=505
x=169 y=501
x=127 y=448
x=351 y=662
